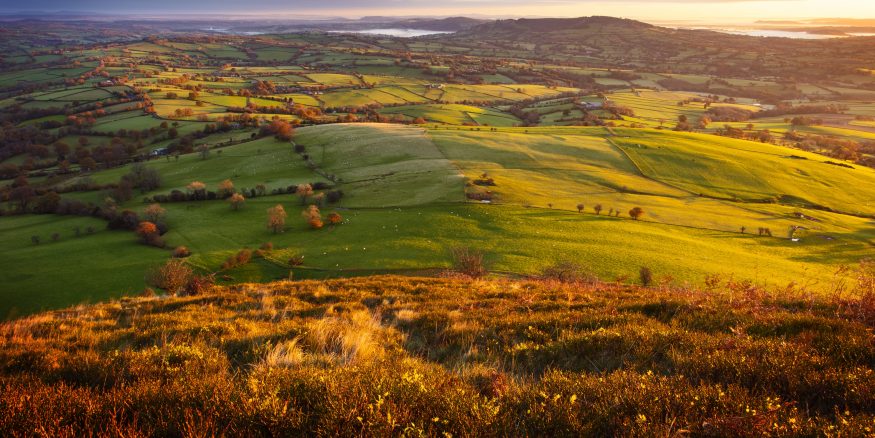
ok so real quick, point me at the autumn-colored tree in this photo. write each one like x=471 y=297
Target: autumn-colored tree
x=335 y=218
x=196 y=186
x=276 y=218
x=226 y=188
x=149 y=234
x=281 y=129
x=580 y=208
x=236 y=201
x=598 y=208
x=319 y=199
x=636 y=213
x=419 y=121
x=154 y=213
x=304 y=191
x=146 y=229
x=313 y=217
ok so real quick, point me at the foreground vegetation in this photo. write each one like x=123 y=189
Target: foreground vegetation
x=415 y=356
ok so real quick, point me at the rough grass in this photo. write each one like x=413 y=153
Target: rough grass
x=384 y=356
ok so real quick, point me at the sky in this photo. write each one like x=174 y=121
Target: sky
x=660 y=10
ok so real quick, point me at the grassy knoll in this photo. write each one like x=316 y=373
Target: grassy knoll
x=391 y=355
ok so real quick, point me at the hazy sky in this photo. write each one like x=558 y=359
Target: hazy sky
x=678 y=10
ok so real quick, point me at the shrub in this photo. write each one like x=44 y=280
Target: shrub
x=126 y=220
x=296 y=260
x=333 y=196
x=181 y=252
x=241 y=258
x=199 y=284
x=172 y=276
x=646 y=276
x=335 y=218
x=568 y=272
x=469 y=261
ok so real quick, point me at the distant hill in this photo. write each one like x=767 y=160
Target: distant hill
x=524 y=26
x=617 y=42
x=449 y=24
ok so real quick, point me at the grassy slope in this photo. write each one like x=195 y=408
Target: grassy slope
x=380 y=356
x=73 y=269
x=725 y=167
x=403 y=210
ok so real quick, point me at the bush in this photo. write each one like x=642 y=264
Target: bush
x=172 y=276
x=333 y=196
x=646 y=276
x=200 y=284
x=296 y=260
x=243 y=257
x=469 y=261
x=181 y=252
x=335 y=218
x=126 y=220
x=568 y=272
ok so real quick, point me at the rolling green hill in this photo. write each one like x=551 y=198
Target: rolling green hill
x=404 y=208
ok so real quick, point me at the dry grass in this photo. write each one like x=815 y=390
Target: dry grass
x=389 y=355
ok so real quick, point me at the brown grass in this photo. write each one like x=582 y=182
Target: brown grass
x=390 y=355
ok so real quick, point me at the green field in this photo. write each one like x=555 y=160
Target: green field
x=404 y=207
x=531 y=124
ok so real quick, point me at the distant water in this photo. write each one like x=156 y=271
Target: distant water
x=232 y=31
x=780 y=34
x=403 y=33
